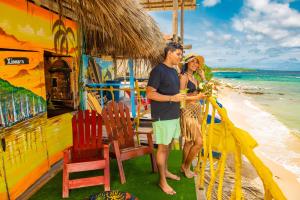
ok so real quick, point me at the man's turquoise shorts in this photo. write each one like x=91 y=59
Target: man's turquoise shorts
x=166 y=130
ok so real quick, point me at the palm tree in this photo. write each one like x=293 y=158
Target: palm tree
x=27 y=106
x=14 y=108
x=33 y=107
x=22 y=107
x=108 y=75
x=62 y=36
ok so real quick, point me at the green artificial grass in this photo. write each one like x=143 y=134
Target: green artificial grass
x=140 y=182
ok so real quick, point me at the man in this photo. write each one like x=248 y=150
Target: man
x=163 y=90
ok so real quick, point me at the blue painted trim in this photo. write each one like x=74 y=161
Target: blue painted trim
x=132 y=93
x=102 y=102
x=100 y=85
x=208 y=120
x=83 y=82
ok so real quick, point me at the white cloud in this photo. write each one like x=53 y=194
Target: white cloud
x=26 y=29
x=258 y=5
x=210 y=3
x=291 y=42
x=254 y=37
x=209 y=41
x=210 y=33
x=40 y=32
x=227 y=37
x=269 y=19
x=237 y=41
x=4 y=24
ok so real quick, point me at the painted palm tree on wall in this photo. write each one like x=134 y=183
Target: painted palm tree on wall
x=63 y=37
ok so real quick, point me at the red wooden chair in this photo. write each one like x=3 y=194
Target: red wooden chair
x=121 y=134
x=144 y=101
x=87 y=153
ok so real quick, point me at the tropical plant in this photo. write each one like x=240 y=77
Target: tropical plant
x=207 y=72
x=63 y=36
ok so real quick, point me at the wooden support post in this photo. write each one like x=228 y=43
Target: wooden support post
x=83 y=82
x=182 y=21
x=175 y=20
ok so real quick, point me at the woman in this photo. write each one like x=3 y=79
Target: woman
x=191 y=118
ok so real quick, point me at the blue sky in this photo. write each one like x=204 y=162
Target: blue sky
x=262 y=34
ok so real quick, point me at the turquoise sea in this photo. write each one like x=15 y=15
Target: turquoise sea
x=277 y=92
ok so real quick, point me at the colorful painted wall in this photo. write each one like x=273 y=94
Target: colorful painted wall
x=31 y=142
x=24 y=25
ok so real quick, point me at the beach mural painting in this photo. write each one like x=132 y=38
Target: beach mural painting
x=22 y=93
x=94 y=70
x=99 y=69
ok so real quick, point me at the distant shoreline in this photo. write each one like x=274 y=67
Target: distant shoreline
x=233 y=70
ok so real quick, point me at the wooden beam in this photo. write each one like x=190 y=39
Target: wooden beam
x=153 y=2
x=166 y=4
x=166 y=8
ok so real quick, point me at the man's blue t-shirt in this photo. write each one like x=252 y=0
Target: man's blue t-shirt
x=166 y=81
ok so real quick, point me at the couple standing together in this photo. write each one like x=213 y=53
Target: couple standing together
x=168 y=120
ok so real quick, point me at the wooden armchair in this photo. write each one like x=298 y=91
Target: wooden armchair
x=87 y=153
x=121 y=135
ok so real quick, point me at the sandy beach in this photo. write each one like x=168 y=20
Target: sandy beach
x=277 y=147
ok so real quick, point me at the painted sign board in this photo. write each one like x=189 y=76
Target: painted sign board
x=16 y=61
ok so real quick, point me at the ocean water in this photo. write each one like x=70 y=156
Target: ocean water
x=270 y=109
x=277 y=92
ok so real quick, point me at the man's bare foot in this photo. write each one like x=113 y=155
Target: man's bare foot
x=172 y=176
x=187 y=172
x=167 y=189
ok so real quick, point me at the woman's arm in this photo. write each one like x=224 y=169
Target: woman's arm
x=196 y=97
x=202 y=75
x=183 y=81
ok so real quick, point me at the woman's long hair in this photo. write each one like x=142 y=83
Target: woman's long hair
x=184 y=68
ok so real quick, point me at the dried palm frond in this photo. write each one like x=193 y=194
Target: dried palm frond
x=116 y=27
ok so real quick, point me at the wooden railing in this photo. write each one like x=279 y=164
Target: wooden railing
x=225 y=138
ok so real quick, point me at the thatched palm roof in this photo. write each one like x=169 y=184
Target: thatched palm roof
x=116 y=27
